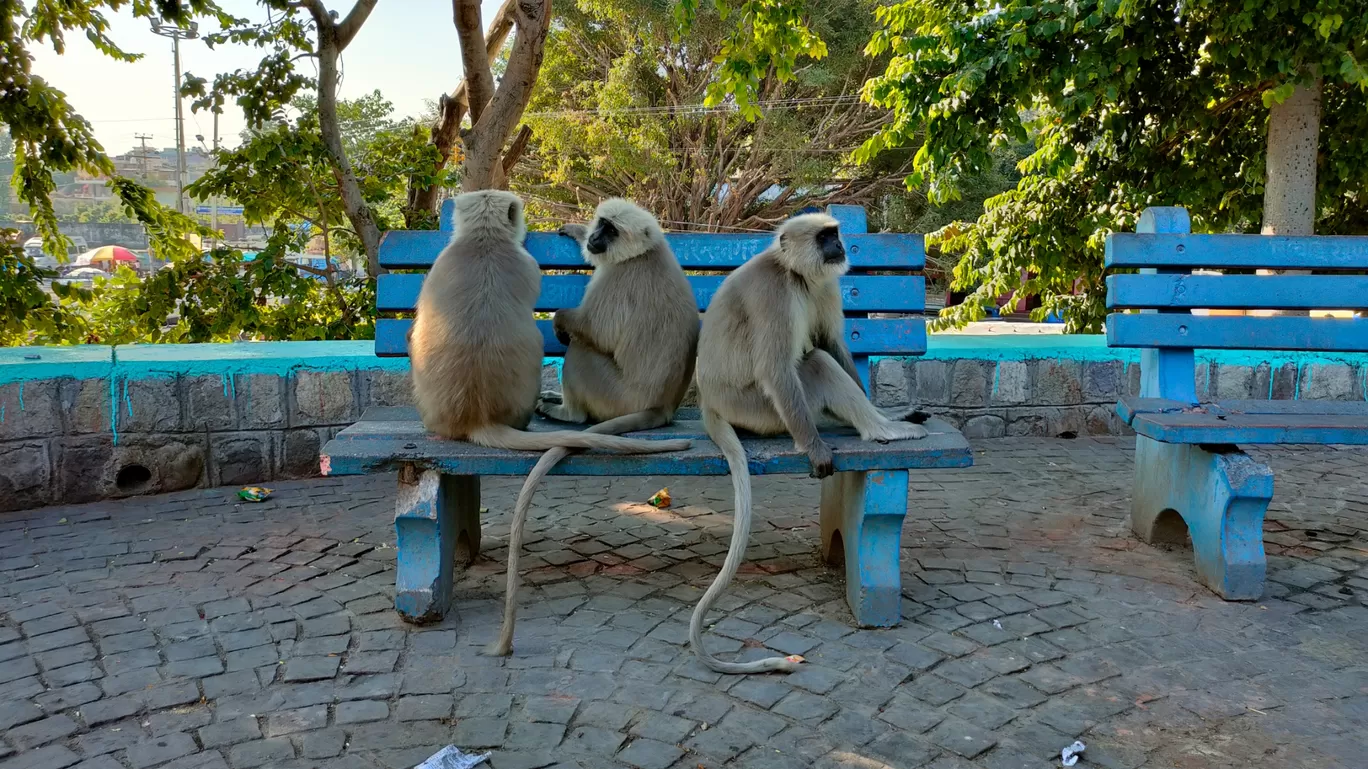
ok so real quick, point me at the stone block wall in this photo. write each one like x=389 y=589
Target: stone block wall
x=79 y=424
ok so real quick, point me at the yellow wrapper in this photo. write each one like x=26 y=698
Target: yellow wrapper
x=254 y=494
x=660 y=499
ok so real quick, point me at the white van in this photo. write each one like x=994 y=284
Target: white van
x=33 y=248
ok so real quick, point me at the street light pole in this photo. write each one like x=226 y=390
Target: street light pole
x=177 y=34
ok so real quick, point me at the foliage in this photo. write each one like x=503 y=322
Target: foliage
x=765 y=40
x=617 y=113
x=106 y=211
x=26 y=310
x=219 y=297
x=1129 y=103
x=283 y=176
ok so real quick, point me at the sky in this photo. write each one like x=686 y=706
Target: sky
x=408 y=49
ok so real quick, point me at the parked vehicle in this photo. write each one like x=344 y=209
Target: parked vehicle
x=83 y=277
x=33 y=249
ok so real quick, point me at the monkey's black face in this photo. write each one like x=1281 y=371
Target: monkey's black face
x=602 y=237
x=829 y=245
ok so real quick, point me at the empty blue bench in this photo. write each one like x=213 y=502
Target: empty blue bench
x=1190 y=476
x=437 y=515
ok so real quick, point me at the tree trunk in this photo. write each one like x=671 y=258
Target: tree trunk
x=421 y=207
x=1293 y=145
x=333 y=37
x=1290 y=186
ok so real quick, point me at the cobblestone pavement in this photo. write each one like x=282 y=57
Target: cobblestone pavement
x=191 y=630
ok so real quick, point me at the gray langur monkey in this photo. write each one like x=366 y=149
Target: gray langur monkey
x=772 y=359
x=630 y=351
x=474 y=346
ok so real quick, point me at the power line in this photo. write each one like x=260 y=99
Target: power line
x=702 y=109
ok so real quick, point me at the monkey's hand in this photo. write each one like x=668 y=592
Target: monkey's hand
x=823 y=463
x=578 y=232
x=560 y=324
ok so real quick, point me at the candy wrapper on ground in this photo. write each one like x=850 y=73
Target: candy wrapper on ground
x=452 y=757
x=255 y=494
x=660 y=499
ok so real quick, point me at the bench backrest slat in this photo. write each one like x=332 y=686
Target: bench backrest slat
x=1211 y=332
x=1219 y=292
x=1173 y=302
x=895 y=290
x=861 y=293
x=864 y=336
x=1273 y=252
x=407 y=250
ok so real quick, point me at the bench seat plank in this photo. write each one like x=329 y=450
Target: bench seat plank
x=1245 y=421
x=1132 y=405
x=387 y=438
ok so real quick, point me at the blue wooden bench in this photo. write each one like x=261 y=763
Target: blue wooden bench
x=862 y=506
x=1190 y=477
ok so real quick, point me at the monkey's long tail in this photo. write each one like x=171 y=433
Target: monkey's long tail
x=641 y=420
x=505 y=437
x=724 y=436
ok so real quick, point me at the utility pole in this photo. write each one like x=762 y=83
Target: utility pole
x=177 y=34
x=142 y=155
x=213 y=204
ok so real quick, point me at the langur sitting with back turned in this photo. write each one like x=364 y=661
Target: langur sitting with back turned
x=631 y=347
x=474 y=345
x=772 y=359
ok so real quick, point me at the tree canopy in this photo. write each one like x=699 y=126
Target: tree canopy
x=1130 y=103
x=618 y=112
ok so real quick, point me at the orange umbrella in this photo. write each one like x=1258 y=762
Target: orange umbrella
x=107 y=255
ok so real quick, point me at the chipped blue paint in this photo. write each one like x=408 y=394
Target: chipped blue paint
x=229 y=387
x=26 y=364
x=127 y=403
x=21 y=396
x=114 y=410
x=1221 y=497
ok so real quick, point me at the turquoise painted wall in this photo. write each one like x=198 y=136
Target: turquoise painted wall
x=20 y=364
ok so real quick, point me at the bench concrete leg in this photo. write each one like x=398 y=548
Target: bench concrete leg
x=436 y=519
x=862 y=520
x=1221 y=495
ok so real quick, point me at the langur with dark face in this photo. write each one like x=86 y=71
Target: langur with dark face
x=630 y=351
x=772 y=359
x=474 y=346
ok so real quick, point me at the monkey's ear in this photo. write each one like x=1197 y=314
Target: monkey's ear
x=783 y=240
x=513 y=212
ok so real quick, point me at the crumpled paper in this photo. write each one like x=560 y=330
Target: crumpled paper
x=1070 y=754
x=452 y=757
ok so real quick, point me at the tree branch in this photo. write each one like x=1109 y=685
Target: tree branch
x=352 y=24
x=517 y=148
x=488 y=135
x=479 y=78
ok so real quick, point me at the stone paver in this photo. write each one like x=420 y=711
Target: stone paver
x=191 y=630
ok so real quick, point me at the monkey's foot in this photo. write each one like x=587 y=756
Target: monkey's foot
x=898 y=413
x=562 y=413
x=896 y=431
